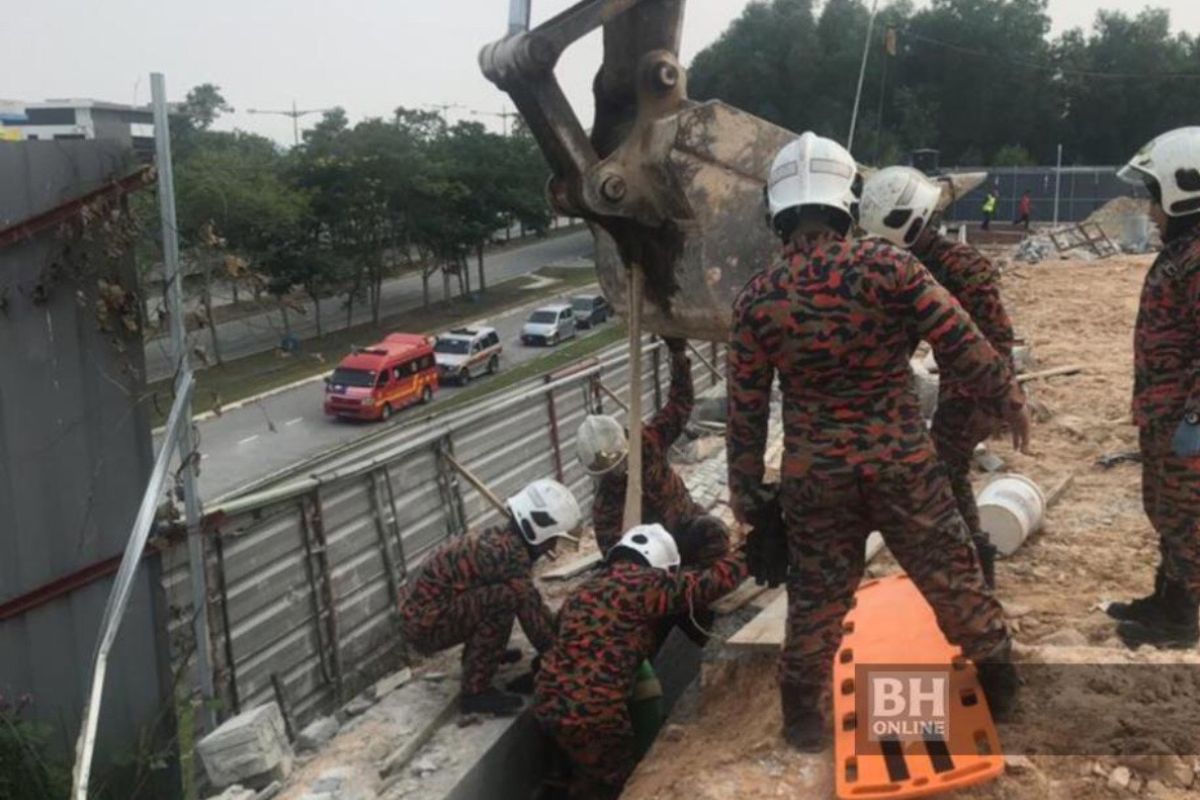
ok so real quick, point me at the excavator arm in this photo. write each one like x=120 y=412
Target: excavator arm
x=665 y=183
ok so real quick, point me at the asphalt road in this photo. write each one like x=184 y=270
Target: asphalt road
x=259 y=332
x=276 y=431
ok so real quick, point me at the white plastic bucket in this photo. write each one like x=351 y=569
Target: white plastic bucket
x=1011 y=507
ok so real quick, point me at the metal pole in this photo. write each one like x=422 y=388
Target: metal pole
x=1057 y=184
x=118 y=599
x=862 y=74
x=295 y=125
x=179 y=356
x=518 y=16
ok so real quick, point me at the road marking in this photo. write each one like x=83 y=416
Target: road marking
x=248 y=439
x=295 y=421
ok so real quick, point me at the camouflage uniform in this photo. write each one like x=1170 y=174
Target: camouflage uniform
x=606 y=628
x=960 y=424
x=835 y=323
x=468 y=592
x=1166 y=388
x=665 y=497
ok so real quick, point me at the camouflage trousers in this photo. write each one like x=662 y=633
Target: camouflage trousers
x=479 y=619
x=828 y=517
x=1171 y=498
x=958 y=426
x=602 y=757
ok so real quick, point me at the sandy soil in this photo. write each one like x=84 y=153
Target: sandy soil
x=1095 y=545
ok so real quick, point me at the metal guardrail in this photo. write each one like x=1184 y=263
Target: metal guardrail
x=304 y=573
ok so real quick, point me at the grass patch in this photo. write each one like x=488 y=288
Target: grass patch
x=246 y=377
x=561 y=357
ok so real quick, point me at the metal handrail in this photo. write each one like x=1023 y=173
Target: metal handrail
x=118 y=598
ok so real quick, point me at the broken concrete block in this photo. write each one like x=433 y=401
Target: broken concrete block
x=385 y=686
x=338 y=784
x=271 y=791
x=251 y=749
x=1119 y=778
x=317 y=733
x=358 y=706
x=235 y=792
x=1018 y=763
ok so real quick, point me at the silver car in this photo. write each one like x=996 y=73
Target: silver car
x=549 y=325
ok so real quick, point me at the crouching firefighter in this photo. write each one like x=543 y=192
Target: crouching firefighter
x=1166 y=393
x=472 y=588
x=603 y=448
x=833 y=322
x=900 y=204
x=606 y=629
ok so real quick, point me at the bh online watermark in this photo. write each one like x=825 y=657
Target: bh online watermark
x=904 y=704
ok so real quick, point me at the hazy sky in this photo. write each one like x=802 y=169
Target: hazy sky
x=366 y=55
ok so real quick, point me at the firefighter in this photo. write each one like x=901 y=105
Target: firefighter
x=1166 y=393
x=606 y=629
x=833 y=321
x=900 y=204
x=472 y=588
x=603 y=447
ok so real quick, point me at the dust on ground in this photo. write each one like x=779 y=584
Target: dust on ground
x=1095 y=545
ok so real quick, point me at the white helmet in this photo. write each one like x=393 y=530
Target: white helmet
x=653 y=543
x=1173 y=162
x=601 y=444
x=543 y=510
x=812 y=171
x=897 y=203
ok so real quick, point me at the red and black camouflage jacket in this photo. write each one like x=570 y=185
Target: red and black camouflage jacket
x=606 y=628
x=1166 y=344
x=665 y=497
x=975 y=284
x=835 y=322
x=492 y=556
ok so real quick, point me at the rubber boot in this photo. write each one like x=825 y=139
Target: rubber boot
x=1175 y=627
x=1000 y=682
x=1143 y=609
x=804 y=726
x=987 y=558
x=491 y=701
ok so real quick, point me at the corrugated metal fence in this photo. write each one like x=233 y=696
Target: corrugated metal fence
x=1081 y=191
x=304 y=573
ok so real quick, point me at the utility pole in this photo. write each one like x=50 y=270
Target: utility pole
x=179 y=358
x=504 y=114
x=862 y=74
x=294 y=113
x=1057 y=184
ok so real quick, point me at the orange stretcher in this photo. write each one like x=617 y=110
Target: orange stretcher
x=892 y=640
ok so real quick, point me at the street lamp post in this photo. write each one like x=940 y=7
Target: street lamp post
x=294 y=113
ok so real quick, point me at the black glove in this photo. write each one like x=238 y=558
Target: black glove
x=523 y=684
x=675 y=344
x=766 y=544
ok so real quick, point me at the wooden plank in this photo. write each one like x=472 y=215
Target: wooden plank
x=738 y=597
x=765 y=633
x=575 y=566
x=1050 y=373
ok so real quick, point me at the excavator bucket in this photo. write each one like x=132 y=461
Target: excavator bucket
x=664 y=182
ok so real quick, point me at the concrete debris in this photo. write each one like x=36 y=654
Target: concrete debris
x=385 y=686
x=1018 y=764
x=317 y=733
x=424 y=766
x=235 y=792
x=271 y=791
x=696 y=450
x=1035 y=249
x=434 y=677
x=358 y=706
x=250 y=749
x=1022 y=358
x=1067 y=637
x=988 y=461
x=338 y=784
x=1119 y=778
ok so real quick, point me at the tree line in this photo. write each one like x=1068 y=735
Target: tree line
x=348 y=207
x=983 y=81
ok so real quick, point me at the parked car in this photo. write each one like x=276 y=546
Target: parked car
x=590 y=309
x=463 y=353
x=549 y=325
x=377 y=381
